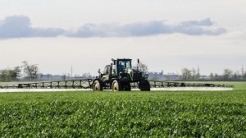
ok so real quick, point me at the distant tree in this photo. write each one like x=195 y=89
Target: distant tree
x=244 y=76
x=31 y=70
x=16 y=72
x=190 y=74
x=216 y=77
x=4 y=75
x=10 y=74
x=211 y=76
x=195 y=74
x=227 y=74
x=236 y=75
x=87 y=75
x=186 y=74
x=64 y=77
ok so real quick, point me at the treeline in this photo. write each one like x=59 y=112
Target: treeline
x=29 y=72
x=10 y=74
x=228 y=75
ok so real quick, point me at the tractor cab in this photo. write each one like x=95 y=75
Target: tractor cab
x=115 y=69
x=121 y=66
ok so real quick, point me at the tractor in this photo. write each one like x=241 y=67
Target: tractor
x=119 y=75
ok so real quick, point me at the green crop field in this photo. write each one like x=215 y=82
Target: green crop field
x=124 y=114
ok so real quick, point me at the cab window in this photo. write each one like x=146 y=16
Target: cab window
x=106 y=69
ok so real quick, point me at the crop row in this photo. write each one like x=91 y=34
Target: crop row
x=122 y=118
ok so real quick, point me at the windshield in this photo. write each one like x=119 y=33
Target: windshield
x=125 y=64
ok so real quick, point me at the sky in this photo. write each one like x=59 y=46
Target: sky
x=84 y=35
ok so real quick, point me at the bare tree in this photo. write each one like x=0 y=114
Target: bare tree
x=227 y=74
x=186 y=74
x=31 y=70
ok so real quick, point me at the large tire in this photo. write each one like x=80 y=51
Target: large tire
x=144 y=85
x=97 y=86
x=116 y=86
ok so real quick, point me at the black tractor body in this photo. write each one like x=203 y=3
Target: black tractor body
x=119 y=75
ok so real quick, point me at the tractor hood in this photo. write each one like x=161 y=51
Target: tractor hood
x=136 y=75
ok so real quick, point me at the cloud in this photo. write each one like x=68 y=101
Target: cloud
x=20 y=26
x=202 y=27
x=205 y=22
x=91 y=30
x=145 y=29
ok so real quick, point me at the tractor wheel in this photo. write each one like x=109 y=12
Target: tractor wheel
x=116 y=86
x=144 y=85
x=97 y=86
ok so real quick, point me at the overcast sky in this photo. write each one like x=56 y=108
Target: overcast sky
x=166 y=35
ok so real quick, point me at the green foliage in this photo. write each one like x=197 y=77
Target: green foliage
x=10 y=74
x=123 y=114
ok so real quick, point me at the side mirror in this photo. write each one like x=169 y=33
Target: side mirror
x=99 y=71
x=138 y=61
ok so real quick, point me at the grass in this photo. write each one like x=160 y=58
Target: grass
x=238 y=85
x=123 y=114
